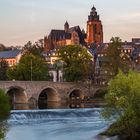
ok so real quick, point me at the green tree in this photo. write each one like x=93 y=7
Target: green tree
x=4 y=112
x=4 y=105
x=76 y=62
x=2 y=47
x=30 y=67
x=34 y=49
x=123 y=103
x=3 y=69
x=117 y=59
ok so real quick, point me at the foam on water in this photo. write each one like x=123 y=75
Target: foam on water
x=56 y=124
x=26 y=116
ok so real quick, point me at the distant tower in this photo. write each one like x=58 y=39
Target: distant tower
x=94 y=28
x=66 y=26
x=48 y=44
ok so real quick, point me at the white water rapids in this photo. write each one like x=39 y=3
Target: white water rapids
x=56 y=124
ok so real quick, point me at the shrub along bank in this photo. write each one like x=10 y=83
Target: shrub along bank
x=123 y=104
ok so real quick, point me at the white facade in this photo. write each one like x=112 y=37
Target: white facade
x=53 y=73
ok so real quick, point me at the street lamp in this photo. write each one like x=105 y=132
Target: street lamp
x=31 y=69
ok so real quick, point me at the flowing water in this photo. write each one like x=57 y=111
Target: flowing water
x=56 y=124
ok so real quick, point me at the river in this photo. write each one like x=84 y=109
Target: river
x=56 y=124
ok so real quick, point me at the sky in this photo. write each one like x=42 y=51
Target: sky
x=24 y=20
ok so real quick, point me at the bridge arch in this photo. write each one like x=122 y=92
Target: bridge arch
x=17 y=95
x=48 y=94
x=76 y=94
x=100 y=93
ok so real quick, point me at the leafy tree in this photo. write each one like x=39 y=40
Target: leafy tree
x=117 y=59
x=30 y=67
x=4 y=105
x=40 y=45
x=2 y=47
x=76 y=62
x=34 y=49
x=4 y=112
x=3 y=69
x=123 y=103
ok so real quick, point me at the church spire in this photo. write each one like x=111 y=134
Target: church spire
x=93 y=8
x=93 y=14
x=94 y=27
x=66 y=26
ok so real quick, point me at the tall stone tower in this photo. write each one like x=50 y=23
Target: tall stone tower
x=66 y=26
x=94 y=28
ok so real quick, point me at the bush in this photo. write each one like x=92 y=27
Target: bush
x=4 y=112
x=123 y=103
x=4 y=105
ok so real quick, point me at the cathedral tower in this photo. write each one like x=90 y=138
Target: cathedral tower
x=66 y=26
x=94 y=28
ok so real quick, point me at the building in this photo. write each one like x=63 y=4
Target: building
x=76 y=36
x=11 y=57
x=130 y=53
x=68 y=36
x=92 y=39
x=94 y=28
x=55 y=66
x=135 y=55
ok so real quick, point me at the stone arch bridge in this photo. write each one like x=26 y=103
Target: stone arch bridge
x=24 y=92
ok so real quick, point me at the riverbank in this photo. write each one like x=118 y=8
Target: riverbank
x=115 y=130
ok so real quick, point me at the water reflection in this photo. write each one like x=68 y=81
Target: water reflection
x=57 y=105
x=51 y=105
x=21 y=107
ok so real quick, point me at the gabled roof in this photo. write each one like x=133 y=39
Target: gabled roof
x=135 y=53
x=9 y=54
x=59 y=34
x=136 y=40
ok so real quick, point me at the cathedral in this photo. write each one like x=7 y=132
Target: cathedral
x=76 y=36
x=94 y=28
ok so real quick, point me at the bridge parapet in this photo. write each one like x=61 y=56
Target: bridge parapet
x=33 y=89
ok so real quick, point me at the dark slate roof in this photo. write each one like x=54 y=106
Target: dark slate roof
x=136 y=40
x=94 y=49
x=59 y=34
x=9 y=54
x=78 y=30
x=135 y=53
x=93 y=14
